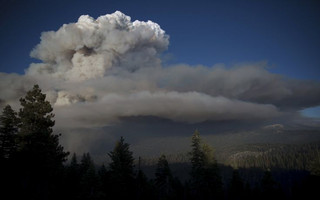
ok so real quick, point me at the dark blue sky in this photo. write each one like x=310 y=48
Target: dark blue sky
x=284 y=33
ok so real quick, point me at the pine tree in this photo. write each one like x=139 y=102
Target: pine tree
x=164 y=178
x=8 y=131
x=205 y=176
x=74 y=163
x=145 y=190
x=37 y=142
x=197 y=160
x=39 y=153
x=212 y=178
x=103 y=182
x=73 y=177
x=86 y=163
x=122 y=170
x=197 y=155
x=197 y=166
x=88 y=182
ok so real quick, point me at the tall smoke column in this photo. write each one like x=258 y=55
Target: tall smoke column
x=98 y=71
x=89 y=48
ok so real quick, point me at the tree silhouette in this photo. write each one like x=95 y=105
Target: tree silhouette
x=88 y=182
x=8 y=134
x=32 y=166
x=103 y=182
x=197 y=156
x=72 y=178
x=145 y=189
x=163 y=177
x=74 y=165
x=205 y=176
x=39 y=150
x=37 y=140
x=122 y=170
x=8 y=131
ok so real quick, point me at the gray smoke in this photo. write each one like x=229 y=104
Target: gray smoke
x=91 y=48
x=96 y=72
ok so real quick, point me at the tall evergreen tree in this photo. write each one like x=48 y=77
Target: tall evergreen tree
x=145 y=189
x=37 y=141
x=8 y=131
x=164 y=177
x=103 y=182
x=197 y=156
x=205 y=176
x=73 y=177
x=39 y=150
x=122 y=170
x=88 y=182
x=86 y=163
x=74 y=166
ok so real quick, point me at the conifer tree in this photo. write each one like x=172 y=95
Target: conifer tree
x=37 y=142
x=122 y=170
x=145 y=189
x=86 y=163
x=73 y=177
x=163 y=177
x=8 y=131
x=88 y=182
x=39 y=153
x=197 y=162
x=74 y=163
x=205 y=176
x=197 y=155
x=103 y=182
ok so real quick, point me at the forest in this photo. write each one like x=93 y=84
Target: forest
x=35 y=166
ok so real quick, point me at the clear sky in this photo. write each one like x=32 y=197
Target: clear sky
x=283 y=33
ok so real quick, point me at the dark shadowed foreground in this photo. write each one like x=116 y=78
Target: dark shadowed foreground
x=33 y=166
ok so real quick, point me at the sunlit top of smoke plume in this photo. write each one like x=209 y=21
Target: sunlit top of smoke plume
x=90 y=48
x=98 y=71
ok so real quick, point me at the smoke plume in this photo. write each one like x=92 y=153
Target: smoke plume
x=96 y=72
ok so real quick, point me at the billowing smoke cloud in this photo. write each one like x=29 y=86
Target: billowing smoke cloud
x=189 y=107
x=98 y=71
x=90 y=48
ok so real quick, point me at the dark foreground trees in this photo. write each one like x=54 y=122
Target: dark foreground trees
x=33 y=151
x=32 y=167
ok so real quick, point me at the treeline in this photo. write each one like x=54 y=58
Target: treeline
x=33 y=166
x=267 y=156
